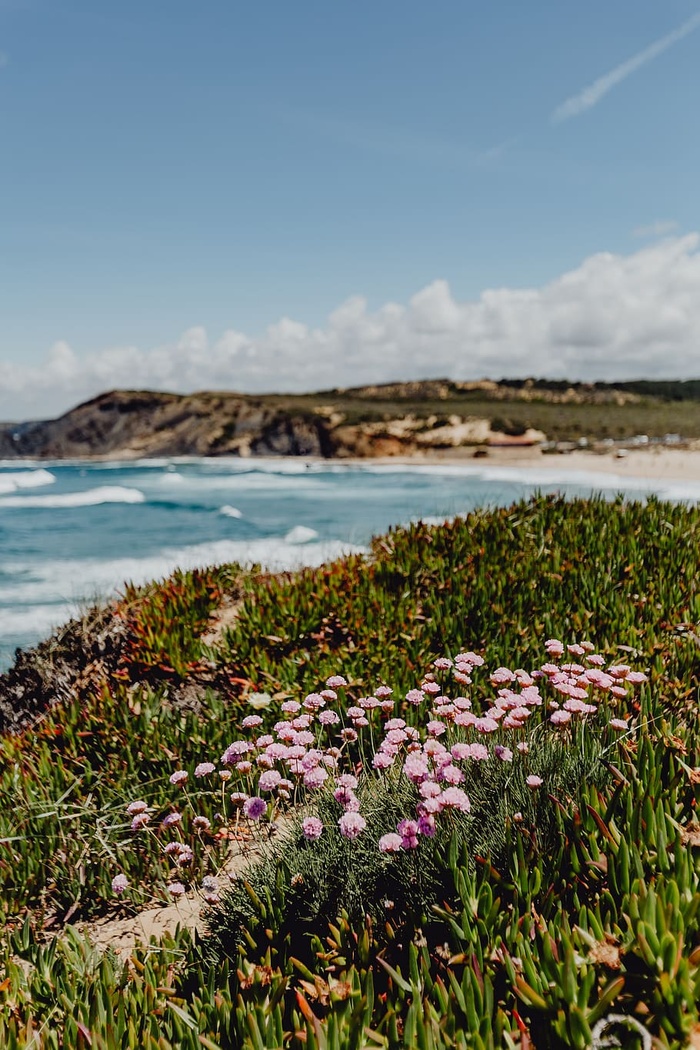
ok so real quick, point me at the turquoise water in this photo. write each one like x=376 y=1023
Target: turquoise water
x=73 y=532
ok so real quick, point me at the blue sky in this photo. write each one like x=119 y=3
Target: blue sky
x=177 y=179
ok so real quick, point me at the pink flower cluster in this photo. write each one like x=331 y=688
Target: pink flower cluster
x=312 y=747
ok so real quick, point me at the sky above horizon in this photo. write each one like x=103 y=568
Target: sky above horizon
x=299 y=196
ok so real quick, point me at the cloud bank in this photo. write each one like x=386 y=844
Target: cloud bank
x=591 y=95
x=614 y=317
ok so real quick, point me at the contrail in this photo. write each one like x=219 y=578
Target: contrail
x=591 y=95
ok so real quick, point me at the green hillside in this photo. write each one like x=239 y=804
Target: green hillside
x=565 y=891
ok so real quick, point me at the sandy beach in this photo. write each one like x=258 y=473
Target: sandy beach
x=653 y=464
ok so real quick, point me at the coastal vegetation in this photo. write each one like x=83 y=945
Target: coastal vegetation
x=538 y=888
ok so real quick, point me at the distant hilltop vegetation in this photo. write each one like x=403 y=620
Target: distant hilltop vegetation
x=390 y=419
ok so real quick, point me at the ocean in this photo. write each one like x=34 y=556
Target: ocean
x=72 y=533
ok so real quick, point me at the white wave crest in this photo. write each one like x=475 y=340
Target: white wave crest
x=90 y=498
x=230 y=512
x=25 y=479
x=300 y=534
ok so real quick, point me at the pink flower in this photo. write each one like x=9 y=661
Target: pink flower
x=576 y=650
x=596 y=660
x=277 y=751
x=390 y=843
x=290 y=707
x=311 y=759
x=382 y=760
x=347 y=780
x=454 y=798
x=315 y=778
x=328 y=718
x=426 y=825
x=383 y=691
x=618 y=723
x=202 y=823
x=478 y=752
x=234 y=751
x=244 y=768
x=351 y=825
x=238 y=797
x=470 y=658
x=486 y=725
x=335 y=681
x=204 y=768
x=460 y=751
x=251 y=721
x=533 y=781
x=504 y=753
x=170 y=820
x=119 y=884
x=554 y=647
x=451 y=775
x=305 y=738
x=636 y=677
x=184 y=855
x=136 y=807
x=415 y=696
x=314 y=701
x=443 y=663
x=264 y=742
x=139 y=821
x=416 y=767
x=349 y=734
x=560 y=718
x=269 y=780
x=312 y=828
x=254 y=807
x=429 y=789
x=619 y=670
x=176 y=889
x=436 y=728
x=178 y=777
x=501 y=676
x=408 y=830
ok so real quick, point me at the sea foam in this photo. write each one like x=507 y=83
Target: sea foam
x=89 y=498
x=25 y=479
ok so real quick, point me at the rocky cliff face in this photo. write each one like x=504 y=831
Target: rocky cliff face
x=133 y=424
x=142 y=423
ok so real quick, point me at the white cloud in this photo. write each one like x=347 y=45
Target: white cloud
x=591 y=95
x=614 y=317
x=660 y=228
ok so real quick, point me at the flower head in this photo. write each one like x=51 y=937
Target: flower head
x=391 y=843
x=119 y=884
x=204 y=768
x=179 y=776
x=351 y=825
x=312 y=828
x=254 y=807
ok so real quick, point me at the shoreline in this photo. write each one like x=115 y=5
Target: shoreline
x=652 y=464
